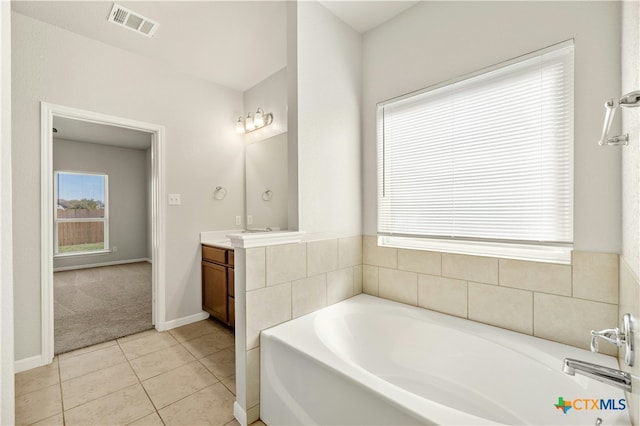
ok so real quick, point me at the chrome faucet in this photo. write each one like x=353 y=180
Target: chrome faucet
x=618 y=337
x=610 y=376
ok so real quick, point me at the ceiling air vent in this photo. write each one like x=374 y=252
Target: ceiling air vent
x=134 y=21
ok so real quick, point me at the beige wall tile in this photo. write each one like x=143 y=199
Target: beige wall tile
x=286 y=262
x=83 y=389
x=253 y=377
x=37 y=378
x=424 y=262
x=174 y=385
x=501 y=306
x=470 y=268
x=210 y=406
x=38 y=405
x=339 y=285
x=121 y=407
x=265 y=308
x=570 y=321
x=536 y=276
x=256 y=268
x=370 y=279
x=595 y=276
x=308 y=295
x=378 y=256
x=443 y=294
x=349 y=251
x=401 y=286
x=322 y=256
x=357 y=279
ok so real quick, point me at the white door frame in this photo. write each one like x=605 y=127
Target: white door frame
x=48 y=112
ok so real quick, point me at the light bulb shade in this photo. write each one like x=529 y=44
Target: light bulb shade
x=258 y=118
x=240 y=125
x=249 y=125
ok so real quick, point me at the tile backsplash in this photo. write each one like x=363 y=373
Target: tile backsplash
x=557 y=302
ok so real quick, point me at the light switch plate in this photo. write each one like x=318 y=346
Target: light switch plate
x=174 y=199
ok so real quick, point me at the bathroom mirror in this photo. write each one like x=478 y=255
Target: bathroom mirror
x=266 y=180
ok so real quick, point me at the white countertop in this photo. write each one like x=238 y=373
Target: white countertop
x=218 y=238
x=236 y=238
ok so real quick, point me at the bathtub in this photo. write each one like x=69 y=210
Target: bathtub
x=370 y=361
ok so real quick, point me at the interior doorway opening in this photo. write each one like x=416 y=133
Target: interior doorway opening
x=91 y=127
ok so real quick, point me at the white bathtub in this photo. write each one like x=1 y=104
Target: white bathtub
x=368 y=360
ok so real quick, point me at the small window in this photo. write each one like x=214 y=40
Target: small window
x=482 y=165
x=82 y=225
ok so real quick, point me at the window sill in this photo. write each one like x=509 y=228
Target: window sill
x=81 y=253
x=532 y=253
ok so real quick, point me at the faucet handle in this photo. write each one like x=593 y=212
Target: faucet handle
x=618 y=337
x=611 y=335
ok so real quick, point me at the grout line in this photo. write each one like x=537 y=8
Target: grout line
x=61 y=395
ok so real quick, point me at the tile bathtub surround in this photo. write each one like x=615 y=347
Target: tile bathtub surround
x=174 y=377
x=552 y=301
x=286 y=281
x=298 y=279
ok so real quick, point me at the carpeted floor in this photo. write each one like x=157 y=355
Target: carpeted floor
x=100 y=304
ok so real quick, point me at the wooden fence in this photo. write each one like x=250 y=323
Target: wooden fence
x=74 y=233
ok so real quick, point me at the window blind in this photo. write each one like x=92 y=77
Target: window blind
x=486 y=158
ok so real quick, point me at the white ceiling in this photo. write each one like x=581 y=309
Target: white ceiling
x=233 y=43
x=83 y=131
x=364 y=15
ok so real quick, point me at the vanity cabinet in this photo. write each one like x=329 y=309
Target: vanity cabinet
x=217 y=283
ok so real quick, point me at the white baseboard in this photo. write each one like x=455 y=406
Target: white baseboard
x=239 y=414
x=28 y=363
x=168 y=325
x=97 y=265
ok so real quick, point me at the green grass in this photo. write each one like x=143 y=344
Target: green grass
x=81 y=248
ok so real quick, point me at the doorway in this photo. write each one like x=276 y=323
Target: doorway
x=50 y=114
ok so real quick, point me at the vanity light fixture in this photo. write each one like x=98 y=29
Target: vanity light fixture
x=249 y=125
x=240 y=125
x=254 y=122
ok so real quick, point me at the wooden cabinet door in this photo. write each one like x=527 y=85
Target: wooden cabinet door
x=214 y=290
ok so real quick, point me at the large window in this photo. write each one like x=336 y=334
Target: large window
x=482 y=165
x=81 y=216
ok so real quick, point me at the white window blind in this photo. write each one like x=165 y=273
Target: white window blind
x=488 y=158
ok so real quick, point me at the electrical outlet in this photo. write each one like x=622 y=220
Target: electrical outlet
x=174 y=199
x=238 y=220
x=249 y=220
x=114 y=249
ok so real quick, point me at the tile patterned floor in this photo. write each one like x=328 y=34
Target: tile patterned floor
x=184 y=376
